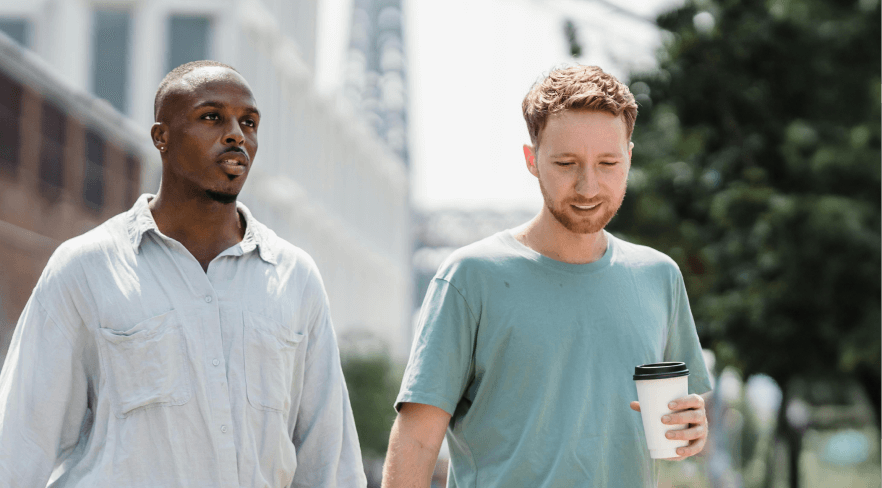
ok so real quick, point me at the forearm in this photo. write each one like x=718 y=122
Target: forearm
x=409 y=462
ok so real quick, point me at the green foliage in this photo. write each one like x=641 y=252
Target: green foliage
x=757 y=168
x=372 y=381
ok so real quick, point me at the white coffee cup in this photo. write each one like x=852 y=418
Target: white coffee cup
x=657 y=385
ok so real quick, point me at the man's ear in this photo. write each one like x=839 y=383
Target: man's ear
x=530 y=159
x=159 y=135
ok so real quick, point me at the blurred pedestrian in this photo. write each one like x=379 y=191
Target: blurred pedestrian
x=527 y=339
x=181 y=343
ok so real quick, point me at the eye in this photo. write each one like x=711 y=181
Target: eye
x=609 y=163
x=250 y=122
x=211 y=116
x=564 y=163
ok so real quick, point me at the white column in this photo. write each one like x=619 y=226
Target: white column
x=65 y=41
x=147 y=60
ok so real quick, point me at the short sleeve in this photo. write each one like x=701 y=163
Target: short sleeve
x=683 y=344
x=441 y=363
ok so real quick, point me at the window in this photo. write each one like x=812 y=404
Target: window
x=10 y=132
x=53 y=126
x=18 y=29
x=188 y=39
x=93 y=179
x=110 y=55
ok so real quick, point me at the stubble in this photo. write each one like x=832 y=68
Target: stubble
x=567 y=217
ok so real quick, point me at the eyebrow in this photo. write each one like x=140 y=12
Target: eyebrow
x=210 y=103
x=574 y=155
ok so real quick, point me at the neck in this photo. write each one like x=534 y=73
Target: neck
x=204 y=226
x=547 y=236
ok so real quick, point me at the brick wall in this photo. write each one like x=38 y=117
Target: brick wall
x=64 y=178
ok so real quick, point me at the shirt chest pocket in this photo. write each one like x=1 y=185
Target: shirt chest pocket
x=271 y=353
x=146 y=365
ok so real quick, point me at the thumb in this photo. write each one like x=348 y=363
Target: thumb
x=635 y=406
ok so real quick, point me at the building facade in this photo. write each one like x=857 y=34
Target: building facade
x=376 y=70
x=323 y=179
x=67 y=163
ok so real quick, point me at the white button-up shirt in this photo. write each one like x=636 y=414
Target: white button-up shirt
x=131 y=366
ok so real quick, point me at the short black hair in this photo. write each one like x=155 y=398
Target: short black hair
x=178 y=73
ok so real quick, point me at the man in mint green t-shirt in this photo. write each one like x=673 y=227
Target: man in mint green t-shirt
x=528 y=339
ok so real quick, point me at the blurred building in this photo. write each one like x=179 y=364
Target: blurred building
x=67 y=163
x=437 y=233
x=323 y=179
x=376 y=70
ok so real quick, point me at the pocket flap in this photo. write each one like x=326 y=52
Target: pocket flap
x=272 y=327
x=142 y=330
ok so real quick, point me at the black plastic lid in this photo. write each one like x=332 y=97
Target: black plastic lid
x=657 y=371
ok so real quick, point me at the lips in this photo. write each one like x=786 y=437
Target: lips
x=586 y=207
x=234 y=163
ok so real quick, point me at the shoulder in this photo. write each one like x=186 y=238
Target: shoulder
x=292 y=263
x=65 y=287
x=639 y=257
x=477 y=259
x=73 y=256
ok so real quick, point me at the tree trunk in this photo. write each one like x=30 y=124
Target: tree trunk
x=792 y=440
x=794 y=445
x=873 y=388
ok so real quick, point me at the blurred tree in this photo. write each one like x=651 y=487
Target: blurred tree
x=571 y=34
x=757 y=168
x=373 y=384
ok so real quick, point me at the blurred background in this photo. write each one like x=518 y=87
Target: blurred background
x=392 y=135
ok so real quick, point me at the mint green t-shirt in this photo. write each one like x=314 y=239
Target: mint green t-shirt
x=534 y=358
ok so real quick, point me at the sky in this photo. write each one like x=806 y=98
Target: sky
x=470 y=64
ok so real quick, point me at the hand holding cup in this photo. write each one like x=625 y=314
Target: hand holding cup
x=688 y=410
x=663 y=390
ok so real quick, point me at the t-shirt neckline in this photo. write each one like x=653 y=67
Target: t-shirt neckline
x=508 y=238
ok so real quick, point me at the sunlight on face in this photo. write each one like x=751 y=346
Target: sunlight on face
x=212 y=134
x=582 y=165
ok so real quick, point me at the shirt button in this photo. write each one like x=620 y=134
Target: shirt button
x=215 y=362
x=207 y=298
x=224 y=429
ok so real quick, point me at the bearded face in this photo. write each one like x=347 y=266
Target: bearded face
x=582 y=166
x=583 y=217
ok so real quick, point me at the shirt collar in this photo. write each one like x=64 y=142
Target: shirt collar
x=140 y=220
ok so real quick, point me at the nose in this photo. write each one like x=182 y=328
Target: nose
x=587 y=184
x=233 y=135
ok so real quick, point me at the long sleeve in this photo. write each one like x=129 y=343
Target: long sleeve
x=325 y=438
x=43 y=397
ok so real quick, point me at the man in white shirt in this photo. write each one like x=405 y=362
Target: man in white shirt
x=181 y=343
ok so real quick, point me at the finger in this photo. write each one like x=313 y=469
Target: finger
x=679 y=458
x=691 y=401
x=685 y=417
x=635 y=406
x=692 y=449
x=692 y=433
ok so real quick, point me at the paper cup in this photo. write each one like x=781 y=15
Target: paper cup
x=657 y=385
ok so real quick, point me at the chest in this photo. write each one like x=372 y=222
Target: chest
x=560 y=321
x=163 y=280
x=165 y=330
